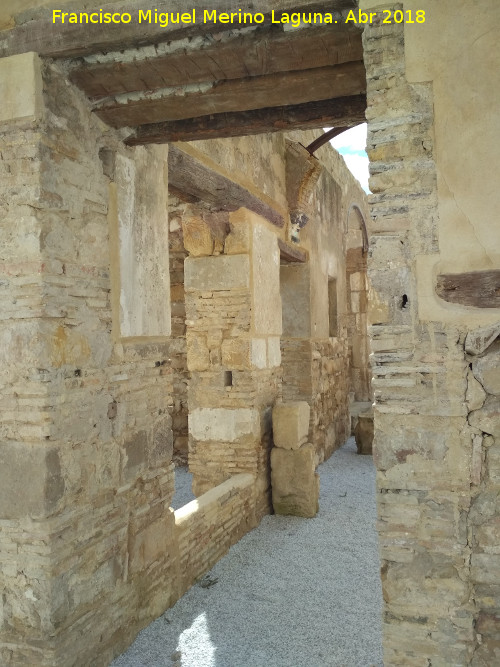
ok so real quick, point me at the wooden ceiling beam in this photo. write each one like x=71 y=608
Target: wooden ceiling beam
x=65 y=40
x=189 y=176
x=480 y=289
x=340 y=112
x=264 y=51
x=273 y=90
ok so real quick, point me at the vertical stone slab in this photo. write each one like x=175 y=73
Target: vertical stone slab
x=266 y=281
x=142 y=200
x=21 y=89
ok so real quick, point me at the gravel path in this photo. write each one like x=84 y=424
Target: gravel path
x=292 y=593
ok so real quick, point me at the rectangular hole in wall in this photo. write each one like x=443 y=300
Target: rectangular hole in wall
x=228 y=378
x=332 y=308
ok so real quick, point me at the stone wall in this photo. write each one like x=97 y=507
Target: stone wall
x=435 y=424
x=86 y=418
x=233 y=354
x=483 y=402
x=207 y=527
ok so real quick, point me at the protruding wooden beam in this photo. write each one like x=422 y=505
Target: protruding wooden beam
x=64 y=40
x=266 y=50
x=272 y=90
x=188 y=175
x=480 y=289
x=290 y=253
x=343 y=111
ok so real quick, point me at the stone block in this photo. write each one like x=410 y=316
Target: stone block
x=487 y=419
x=31 y=481
x=363 y=432
x=223 y=424
x=236 y=353
x=259 y=353
x=475 y=394
x=162 y=441
x=291 y=424
x=266 y=296
x=21 y=88
x=136 y=453
x=357 y=282
x=479 y=340
x=486 y=369
x=295 y=484
x=198 y=354
x=197 y=237
x=273 y=351
x=152 y=543
x=223 y=272
x=238 y=241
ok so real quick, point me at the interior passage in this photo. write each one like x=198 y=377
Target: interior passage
x=301 y=592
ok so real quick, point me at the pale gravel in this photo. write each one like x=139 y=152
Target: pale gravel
x=292 y=593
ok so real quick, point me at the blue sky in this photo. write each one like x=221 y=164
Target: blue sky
x=351 y=145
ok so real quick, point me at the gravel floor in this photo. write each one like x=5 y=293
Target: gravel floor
x=292 y=593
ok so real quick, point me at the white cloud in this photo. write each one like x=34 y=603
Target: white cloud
x=358 y=166
x=351 y=144
x=351 y=140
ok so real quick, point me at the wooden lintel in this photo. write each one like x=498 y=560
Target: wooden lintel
x=188 y=175
x=272 y=90
x=266 y=50
x=65 y=40
x=291 y=253
x=480 y=289
x=343 y=111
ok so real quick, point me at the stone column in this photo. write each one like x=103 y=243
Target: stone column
x=233 y=327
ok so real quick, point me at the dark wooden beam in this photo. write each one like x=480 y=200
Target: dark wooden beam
x=57 y=40
x=290 y=253
x=325 y=138
x=343 y=111
x=272 y=90
x=265 y=51
x=192 y=177
x=480 y=289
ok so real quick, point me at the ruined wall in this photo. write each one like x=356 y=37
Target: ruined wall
x=435 y=428
x=86 y=483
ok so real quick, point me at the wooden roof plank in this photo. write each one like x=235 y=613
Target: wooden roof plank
x=343 y=111
x=66 y=40
x=263 y=52
x=274 y=90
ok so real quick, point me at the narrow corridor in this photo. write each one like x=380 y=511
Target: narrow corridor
x=292 y=593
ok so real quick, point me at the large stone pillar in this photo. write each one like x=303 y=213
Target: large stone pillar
x=436 y=500
x=233 y=327
x=86 y=478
